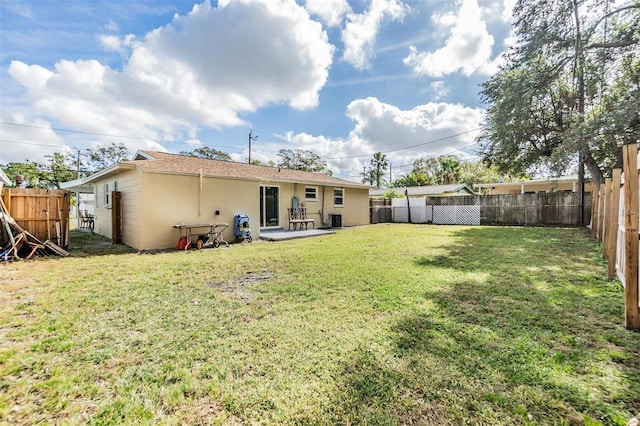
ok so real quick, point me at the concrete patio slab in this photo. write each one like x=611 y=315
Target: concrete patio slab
x=282 y=235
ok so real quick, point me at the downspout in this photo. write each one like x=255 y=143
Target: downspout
x=322 y=210
x=200 y=195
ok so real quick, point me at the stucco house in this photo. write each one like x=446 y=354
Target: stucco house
x=563 y=183
x=157 y=190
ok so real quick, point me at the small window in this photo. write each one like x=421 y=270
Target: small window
x=106 y=195
x=338 y=197
x=311 y=193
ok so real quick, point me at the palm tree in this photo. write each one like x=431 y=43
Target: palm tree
x=379 y=165
x=450 y=170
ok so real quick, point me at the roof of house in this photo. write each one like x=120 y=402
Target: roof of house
x=425 y=190
x=549 y=181
x=165 y=163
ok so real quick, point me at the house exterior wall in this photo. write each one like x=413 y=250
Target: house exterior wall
x=355 y=210
x=152 y=203
x=175 y=199
x=129 y=183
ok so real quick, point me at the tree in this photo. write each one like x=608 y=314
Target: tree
x=450 y=171
x=546 y=104
x=302 y=159
x=379 y=166
x=210 y=153
x=31 y=173
x=49 y=175
x=413 y=178
x=59 y=169
x=475 y=172
x=105 y=156
x=269 y=163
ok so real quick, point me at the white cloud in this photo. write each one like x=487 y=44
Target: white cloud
x=439 y=89
x=116 y=44
x=331 y=12
x=359 y=34
x=202 y=68
x=427 y=130
x=467 y=50
x=18 y=137
x=31 y=76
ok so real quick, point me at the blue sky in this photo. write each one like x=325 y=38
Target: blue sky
x=342 y=78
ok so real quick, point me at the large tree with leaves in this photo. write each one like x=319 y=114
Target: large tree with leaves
x=302 y=159
x=550 y=101
x=105 y=156
x=210 y=153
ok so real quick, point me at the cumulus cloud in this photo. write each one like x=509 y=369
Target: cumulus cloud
x=20 y=130
x=467 y=50
x=331 y=12
x=202 y=68
x=428 y=130
x=116 y=44
x=359 y=34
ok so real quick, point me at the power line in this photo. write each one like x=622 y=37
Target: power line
x=409 y=147
x=33 y=143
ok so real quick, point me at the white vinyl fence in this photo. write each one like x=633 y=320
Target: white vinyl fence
x=421 y=212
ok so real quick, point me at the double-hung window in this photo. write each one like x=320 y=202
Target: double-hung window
x=338 y=197
x=311 y=193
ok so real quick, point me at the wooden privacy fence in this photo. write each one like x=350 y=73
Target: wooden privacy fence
x=44 y=213
x=615 y=223
x=539 y=209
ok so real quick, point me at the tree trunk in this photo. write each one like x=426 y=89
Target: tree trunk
x=594 y=169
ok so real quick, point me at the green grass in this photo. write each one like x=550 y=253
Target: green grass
x=382 y=324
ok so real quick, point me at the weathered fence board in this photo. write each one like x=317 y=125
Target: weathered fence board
x=42 y=212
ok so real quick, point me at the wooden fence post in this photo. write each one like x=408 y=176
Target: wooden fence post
x=602 y=211
x=630 y=167
x=612 y=244
x=594 y=212
x=606 y=223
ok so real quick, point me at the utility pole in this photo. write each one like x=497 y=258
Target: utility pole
x=390 y=176
x=78 y=163
x=251 y=138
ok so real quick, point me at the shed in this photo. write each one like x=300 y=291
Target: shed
x=137 y=202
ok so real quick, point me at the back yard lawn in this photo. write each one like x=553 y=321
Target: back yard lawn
x=382 y=324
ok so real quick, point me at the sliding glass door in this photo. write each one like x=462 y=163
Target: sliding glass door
x=269 y=206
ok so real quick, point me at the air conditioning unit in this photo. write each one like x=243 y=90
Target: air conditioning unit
x=336 y=220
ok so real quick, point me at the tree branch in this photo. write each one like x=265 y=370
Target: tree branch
x=602 y=18
x=612 y=44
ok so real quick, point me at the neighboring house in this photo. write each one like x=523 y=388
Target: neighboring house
x=425 y=191
x=4 y=180
x=158 y=190
x=564 y=183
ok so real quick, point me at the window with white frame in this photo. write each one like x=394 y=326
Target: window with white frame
x=106 y=196
x=311 y=193
x=338 y=197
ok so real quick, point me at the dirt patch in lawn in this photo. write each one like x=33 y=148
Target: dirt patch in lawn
x=242 y=286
